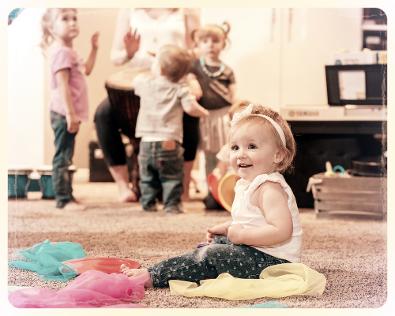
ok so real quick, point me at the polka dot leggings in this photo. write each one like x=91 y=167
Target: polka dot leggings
x=211 y=260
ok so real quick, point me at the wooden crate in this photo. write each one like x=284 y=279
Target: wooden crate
x=350 y=195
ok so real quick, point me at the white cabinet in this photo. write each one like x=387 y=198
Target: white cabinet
x=279 y=55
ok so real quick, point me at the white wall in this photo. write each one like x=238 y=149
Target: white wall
x=253 y=50
x=29 y=134
x=25 y=110
x=255 y=53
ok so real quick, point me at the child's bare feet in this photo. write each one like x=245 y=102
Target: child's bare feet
x=128 y=196
x=134 y=273
x=74 y=206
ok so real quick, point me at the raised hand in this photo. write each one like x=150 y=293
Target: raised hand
x=95 y=40
x=132 y=42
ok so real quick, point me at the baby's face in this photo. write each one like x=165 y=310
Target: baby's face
x=253 y=150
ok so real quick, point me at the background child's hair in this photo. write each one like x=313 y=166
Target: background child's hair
x=46 y=25
x=289 y=151
x=238 y=106
x=212 y=30
x=174 y=62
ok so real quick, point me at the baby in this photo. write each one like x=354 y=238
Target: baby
x=265 y=228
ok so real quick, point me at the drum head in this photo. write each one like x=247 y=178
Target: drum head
x=47 y=169
x=44 y=168
x=122 y=80
x=14 y=170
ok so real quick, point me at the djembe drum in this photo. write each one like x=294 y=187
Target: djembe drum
x=125 y=105
x=46 y=182
x=18 y=181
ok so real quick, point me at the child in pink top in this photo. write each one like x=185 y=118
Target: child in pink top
x=69 y=101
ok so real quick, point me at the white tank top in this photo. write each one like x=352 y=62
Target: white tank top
x=168 y=28
x=248 y=215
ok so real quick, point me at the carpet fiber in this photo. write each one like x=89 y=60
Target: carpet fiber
x=349 y=251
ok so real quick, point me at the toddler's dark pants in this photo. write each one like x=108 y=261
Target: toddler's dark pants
x=64 y=150
x=209 y=261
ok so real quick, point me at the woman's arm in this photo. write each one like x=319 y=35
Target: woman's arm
x=90 y=62
x=192 y=23
x=272 y=200
x=62 y=78
x=119 y=55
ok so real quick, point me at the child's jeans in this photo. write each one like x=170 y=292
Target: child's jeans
x=64 y=150
x=161 y=166
x=211 y=260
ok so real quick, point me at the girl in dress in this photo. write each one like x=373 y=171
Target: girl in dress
x=218 y=87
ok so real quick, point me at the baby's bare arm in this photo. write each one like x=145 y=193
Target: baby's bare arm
x=194 y=86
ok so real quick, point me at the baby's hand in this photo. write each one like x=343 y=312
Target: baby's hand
x=235 y=233
x=95 y=40
x=209 y=236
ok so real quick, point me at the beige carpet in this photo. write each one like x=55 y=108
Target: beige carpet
x=349 y=251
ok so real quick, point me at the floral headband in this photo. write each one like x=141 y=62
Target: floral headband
x=248 y=111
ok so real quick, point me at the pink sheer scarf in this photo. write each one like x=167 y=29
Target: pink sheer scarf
x=90 y=289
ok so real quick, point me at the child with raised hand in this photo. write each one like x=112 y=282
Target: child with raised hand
x=218 y=85
x=69 y=97
x=265 y=228
x=164 y=95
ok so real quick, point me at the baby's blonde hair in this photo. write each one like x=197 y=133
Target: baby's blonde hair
x=47 y=21
x=212 y=31
x=174 y=62
x=290 y=150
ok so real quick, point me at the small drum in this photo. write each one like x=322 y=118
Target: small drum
x=18 y=181
x=46 y=181
x=34 y=182
x=124 y=103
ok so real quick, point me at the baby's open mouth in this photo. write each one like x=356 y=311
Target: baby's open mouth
x=244 y=165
